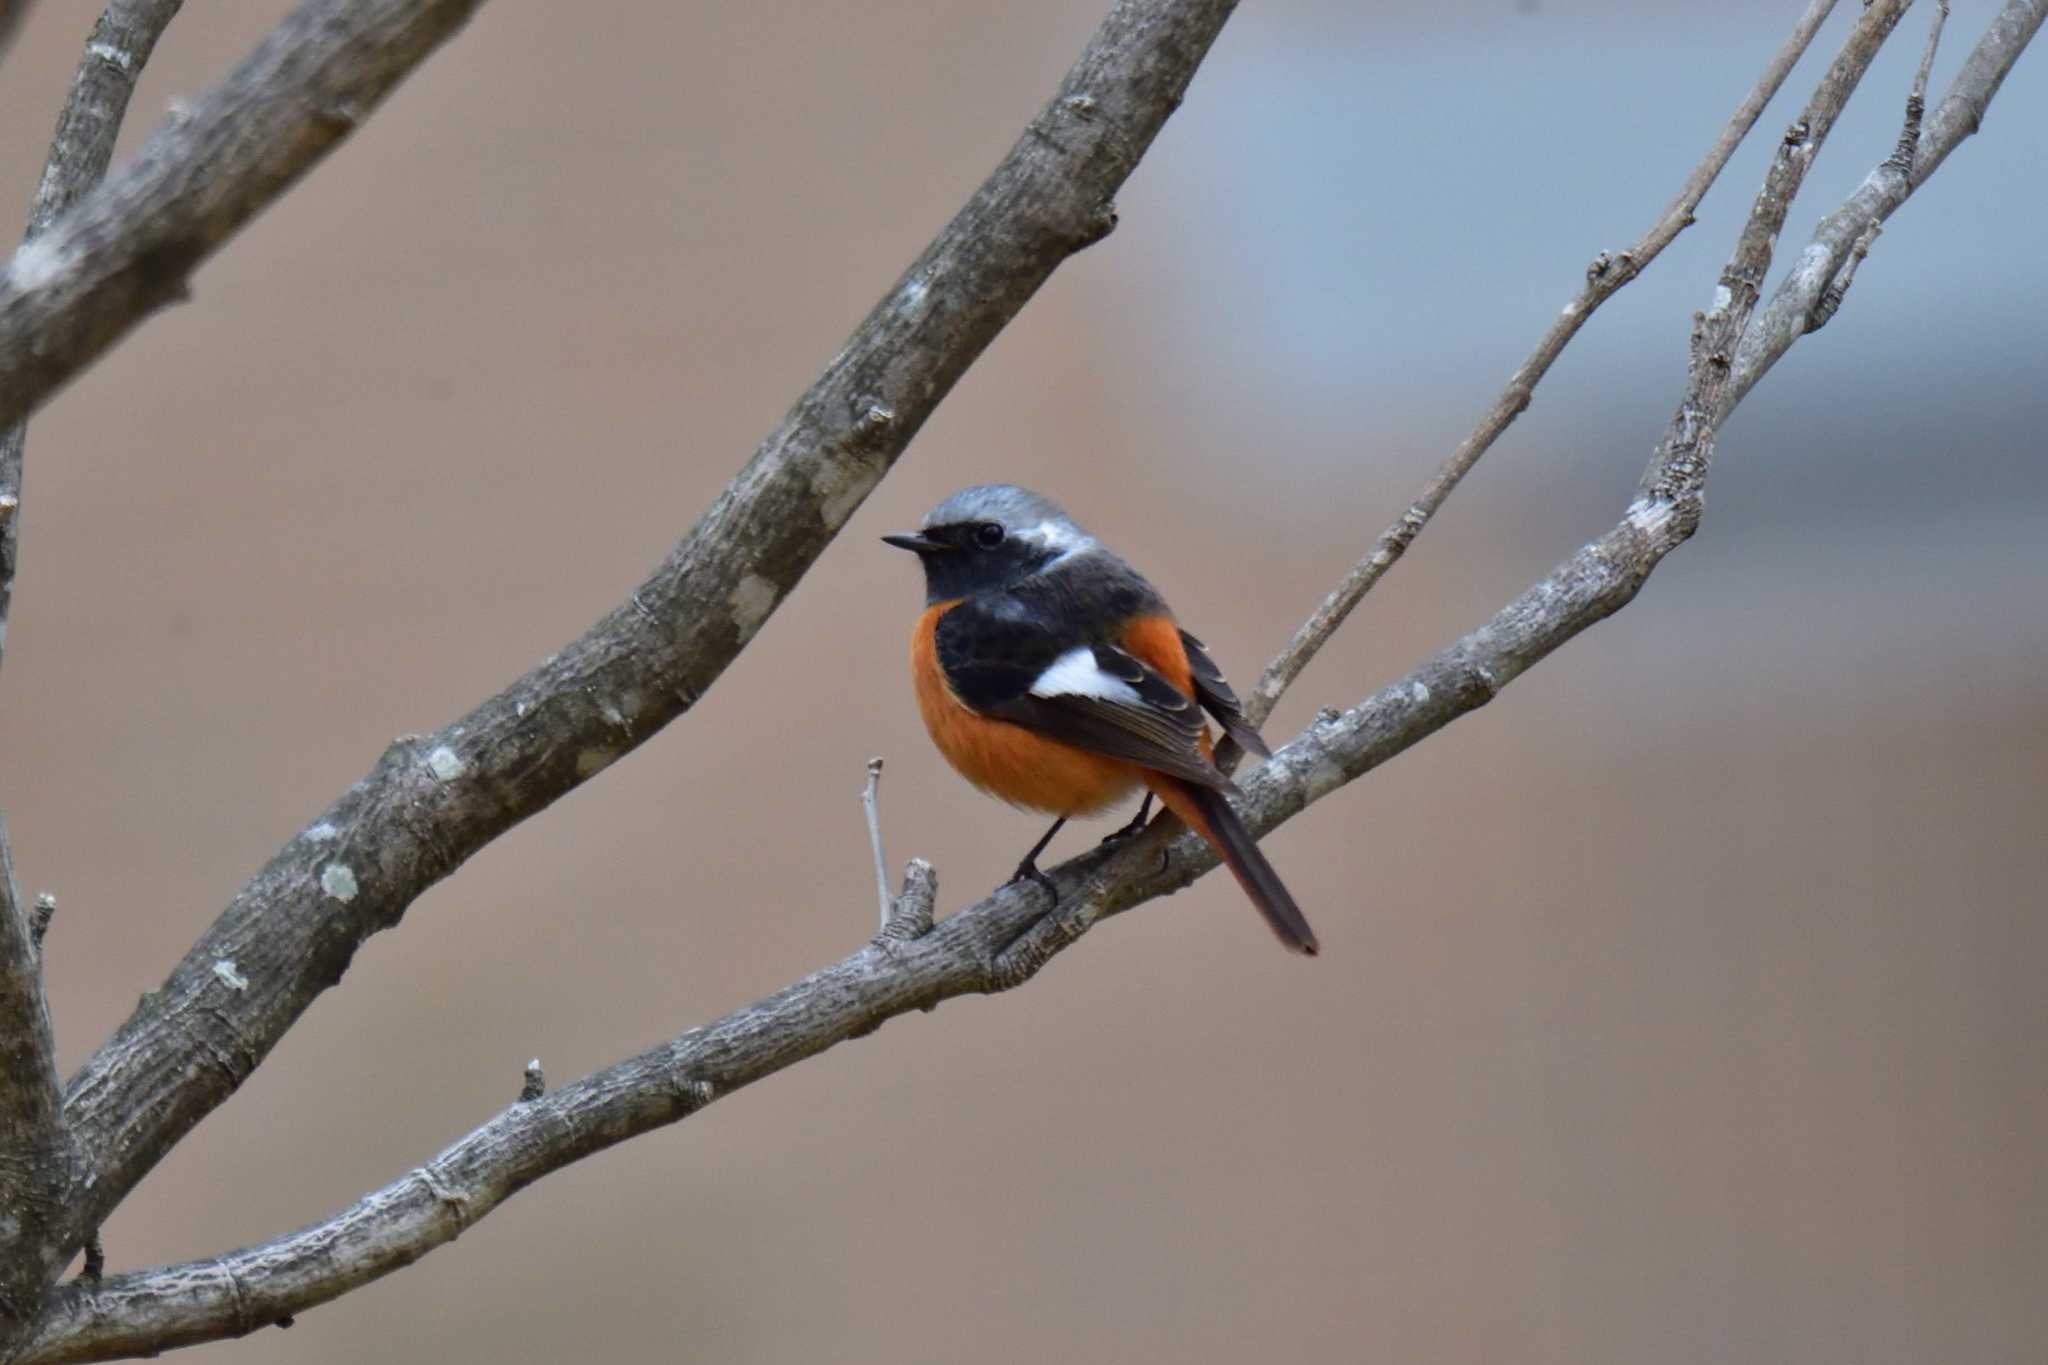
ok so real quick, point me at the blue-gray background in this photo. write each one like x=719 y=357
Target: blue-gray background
x=1684 y=1005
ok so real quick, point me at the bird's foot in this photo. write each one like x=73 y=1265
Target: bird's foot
x=1027 y=871
x=1135 y=827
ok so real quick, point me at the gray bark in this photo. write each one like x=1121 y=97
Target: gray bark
x=35 y=1162
x=120 y=45
x=36 y=1166
x=1789 y=314
x=130 y=246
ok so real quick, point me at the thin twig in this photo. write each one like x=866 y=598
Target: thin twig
x=1667 y=510
x=1830 y=301
x=868 y=804
x=1604 y=279
x=1678 y=470
x=1780 y=323
x=432 y=801
x=1908 y=150
x=80 y=150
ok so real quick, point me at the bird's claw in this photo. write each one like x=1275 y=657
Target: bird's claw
x=1027 y=871
x=1134 y=828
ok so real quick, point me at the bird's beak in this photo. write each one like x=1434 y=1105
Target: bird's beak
x=920 y=544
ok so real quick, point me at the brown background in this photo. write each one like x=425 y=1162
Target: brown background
x=1684 y=1005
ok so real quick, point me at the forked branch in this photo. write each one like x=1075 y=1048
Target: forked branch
x=1006 y=938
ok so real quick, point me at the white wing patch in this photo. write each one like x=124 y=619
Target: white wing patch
x=1076 y=674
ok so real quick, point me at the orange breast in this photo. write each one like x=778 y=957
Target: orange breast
x=1007 y=760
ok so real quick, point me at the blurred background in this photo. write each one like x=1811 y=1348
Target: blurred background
x=1684 y=1005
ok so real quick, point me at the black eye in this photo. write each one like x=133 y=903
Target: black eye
x=988 y=535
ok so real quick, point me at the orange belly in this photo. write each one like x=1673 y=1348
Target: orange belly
x=1024 y=768
x=1008 y=760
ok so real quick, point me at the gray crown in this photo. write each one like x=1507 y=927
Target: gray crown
x=1006 y=504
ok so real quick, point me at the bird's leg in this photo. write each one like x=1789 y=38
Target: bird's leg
x=1028 y=869
x=1137 y=825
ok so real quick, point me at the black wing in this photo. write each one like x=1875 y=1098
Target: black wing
x=1219 y=700
x=1009 y=662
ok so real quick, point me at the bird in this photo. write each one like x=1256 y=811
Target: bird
x=1053 y=675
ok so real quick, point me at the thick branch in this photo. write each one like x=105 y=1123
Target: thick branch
x=1604 y=279
x=129 y=247
x=433 y=801
x=120 y=44
x=35 y=1167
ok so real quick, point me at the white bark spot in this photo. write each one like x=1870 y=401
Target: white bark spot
x=751 y=602
x=322 y=832
x=446 y=764
x=1324 y=774
x=1419 y=692
x=113 y=56
x=338 y=881
x=1649 y=515
x=590 y=762
x=37 y=264
x=1722 y=298
x=230 y=975
x=839 y=486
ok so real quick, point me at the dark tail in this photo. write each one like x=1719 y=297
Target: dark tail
x=1209 y=814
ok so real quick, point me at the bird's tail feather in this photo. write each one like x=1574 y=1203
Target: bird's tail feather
x=1209 y=814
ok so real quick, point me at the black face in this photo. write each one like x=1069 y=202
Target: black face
x=970 y=557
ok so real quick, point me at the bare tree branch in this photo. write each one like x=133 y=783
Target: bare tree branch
x=433 y=801
x=35 y=1166
x=121 y=43
x=1786 y=318
x=128 y=248
x=869 y=806
x=996 y=944
x=1679 y=469
x=1604 y=279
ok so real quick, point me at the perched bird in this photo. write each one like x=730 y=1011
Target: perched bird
x=1052 y=675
